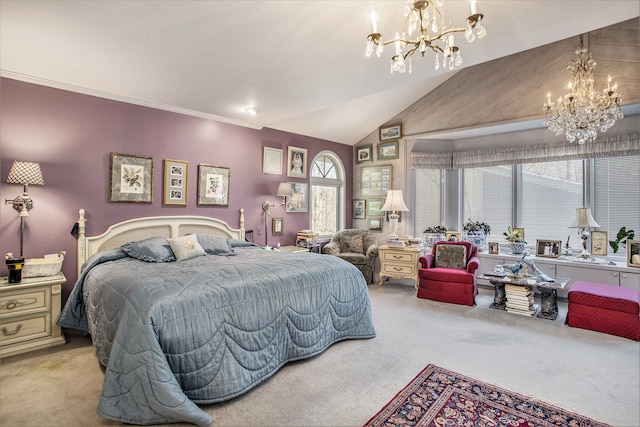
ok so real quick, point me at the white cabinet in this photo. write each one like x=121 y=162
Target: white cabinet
x=630 y=280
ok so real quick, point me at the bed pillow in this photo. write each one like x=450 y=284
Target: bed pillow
x=153 y=249
x=214 y=245
x=352 y=243
x=186 y=247
x=451 y=256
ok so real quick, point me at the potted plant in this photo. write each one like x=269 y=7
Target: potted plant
x=516 y=242
x=476 y=232
x=621 y=239
x=434 y=234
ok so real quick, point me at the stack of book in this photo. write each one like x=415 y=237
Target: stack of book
x=305 y=238
x=520 y=300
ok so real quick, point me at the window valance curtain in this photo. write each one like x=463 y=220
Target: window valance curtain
x=615 y=146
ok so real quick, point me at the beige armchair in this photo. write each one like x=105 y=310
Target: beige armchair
x=359 y=247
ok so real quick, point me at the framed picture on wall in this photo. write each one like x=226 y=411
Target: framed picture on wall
x=359 y=209
x=297 y=201
x=363 y=154
x=130 y=178
x=599 y=242
x=548 y=248
x=277 y=226
x=213 y=185
x=375 y=224
x=175 y=182
x=376 y=180
x=272 y=161
x=391 y=133
x=374 y=207
x=388 y=151
x=296 y=162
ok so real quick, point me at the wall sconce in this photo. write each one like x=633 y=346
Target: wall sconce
x=394 y=204
x=24 y=173
x=584 y=221
x=284 y=190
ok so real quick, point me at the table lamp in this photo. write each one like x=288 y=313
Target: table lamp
x=394 y=204
x=584 y=221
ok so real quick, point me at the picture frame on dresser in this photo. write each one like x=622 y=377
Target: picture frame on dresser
x=599 y=243
x=130 y=178
x=175 y=182
x=548 y=248
x=493 y=248
x=633 y=253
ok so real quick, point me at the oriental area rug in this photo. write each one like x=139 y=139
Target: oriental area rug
x=438 y=397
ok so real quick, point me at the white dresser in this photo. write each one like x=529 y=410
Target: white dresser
x=29 y=311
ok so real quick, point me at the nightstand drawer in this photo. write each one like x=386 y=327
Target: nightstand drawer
x=399 y=257
x=394 y=269
x=25 y=328
x=25 y=302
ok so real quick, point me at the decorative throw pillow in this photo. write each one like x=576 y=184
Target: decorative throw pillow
x=186 y=247
x=451 y=256
x=214 y=245
x=353 y=243
x=153 y=249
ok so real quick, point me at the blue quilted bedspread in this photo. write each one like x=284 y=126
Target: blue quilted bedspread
x=173 y=335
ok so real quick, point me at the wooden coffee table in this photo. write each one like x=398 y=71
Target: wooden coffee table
x=548 y=292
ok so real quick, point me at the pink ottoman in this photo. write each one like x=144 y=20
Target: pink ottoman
x=604 y=308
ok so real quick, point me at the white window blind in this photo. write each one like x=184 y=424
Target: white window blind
x=487 y=197
x=617 y=195
x=551 y=193
x=428 y=199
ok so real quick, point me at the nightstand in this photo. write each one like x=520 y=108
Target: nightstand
x=400 y=263
x=29 y=311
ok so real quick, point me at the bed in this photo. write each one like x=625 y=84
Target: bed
x=175 y=334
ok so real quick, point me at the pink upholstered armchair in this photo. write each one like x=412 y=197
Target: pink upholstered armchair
x=448 y=274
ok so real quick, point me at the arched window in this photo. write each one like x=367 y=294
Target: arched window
x=327 y=202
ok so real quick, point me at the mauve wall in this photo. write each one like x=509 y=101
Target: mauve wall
x=71 y=136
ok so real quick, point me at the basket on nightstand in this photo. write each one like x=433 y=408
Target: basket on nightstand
x=50 y=265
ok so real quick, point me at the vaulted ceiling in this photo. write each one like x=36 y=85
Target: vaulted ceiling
x=300 y=63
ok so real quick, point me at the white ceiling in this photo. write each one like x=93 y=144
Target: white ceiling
x=300 y=63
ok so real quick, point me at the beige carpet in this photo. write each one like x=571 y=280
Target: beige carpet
x=594 y=374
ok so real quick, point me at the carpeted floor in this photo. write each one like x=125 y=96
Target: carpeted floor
x=437 y=396
x=593 y=374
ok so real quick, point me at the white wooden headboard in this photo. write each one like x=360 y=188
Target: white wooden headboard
x=142 y=228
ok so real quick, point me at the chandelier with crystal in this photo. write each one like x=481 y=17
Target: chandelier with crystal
x=426 y=18
x=582 y=112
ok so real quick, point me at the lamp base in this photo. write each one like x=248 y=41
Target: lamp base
x=393 y=224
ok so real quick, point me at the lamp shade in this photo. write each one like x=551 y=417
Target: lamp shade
x=394 y=202
x=284 y=189
x=25 y=173
x=584 y=219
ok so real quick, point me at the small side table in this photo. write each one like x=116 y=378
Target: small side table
x=29 y=311
x=400 y=263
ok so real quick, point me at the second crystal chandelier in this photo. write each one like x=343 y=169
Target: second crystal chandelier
x=426 y=18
